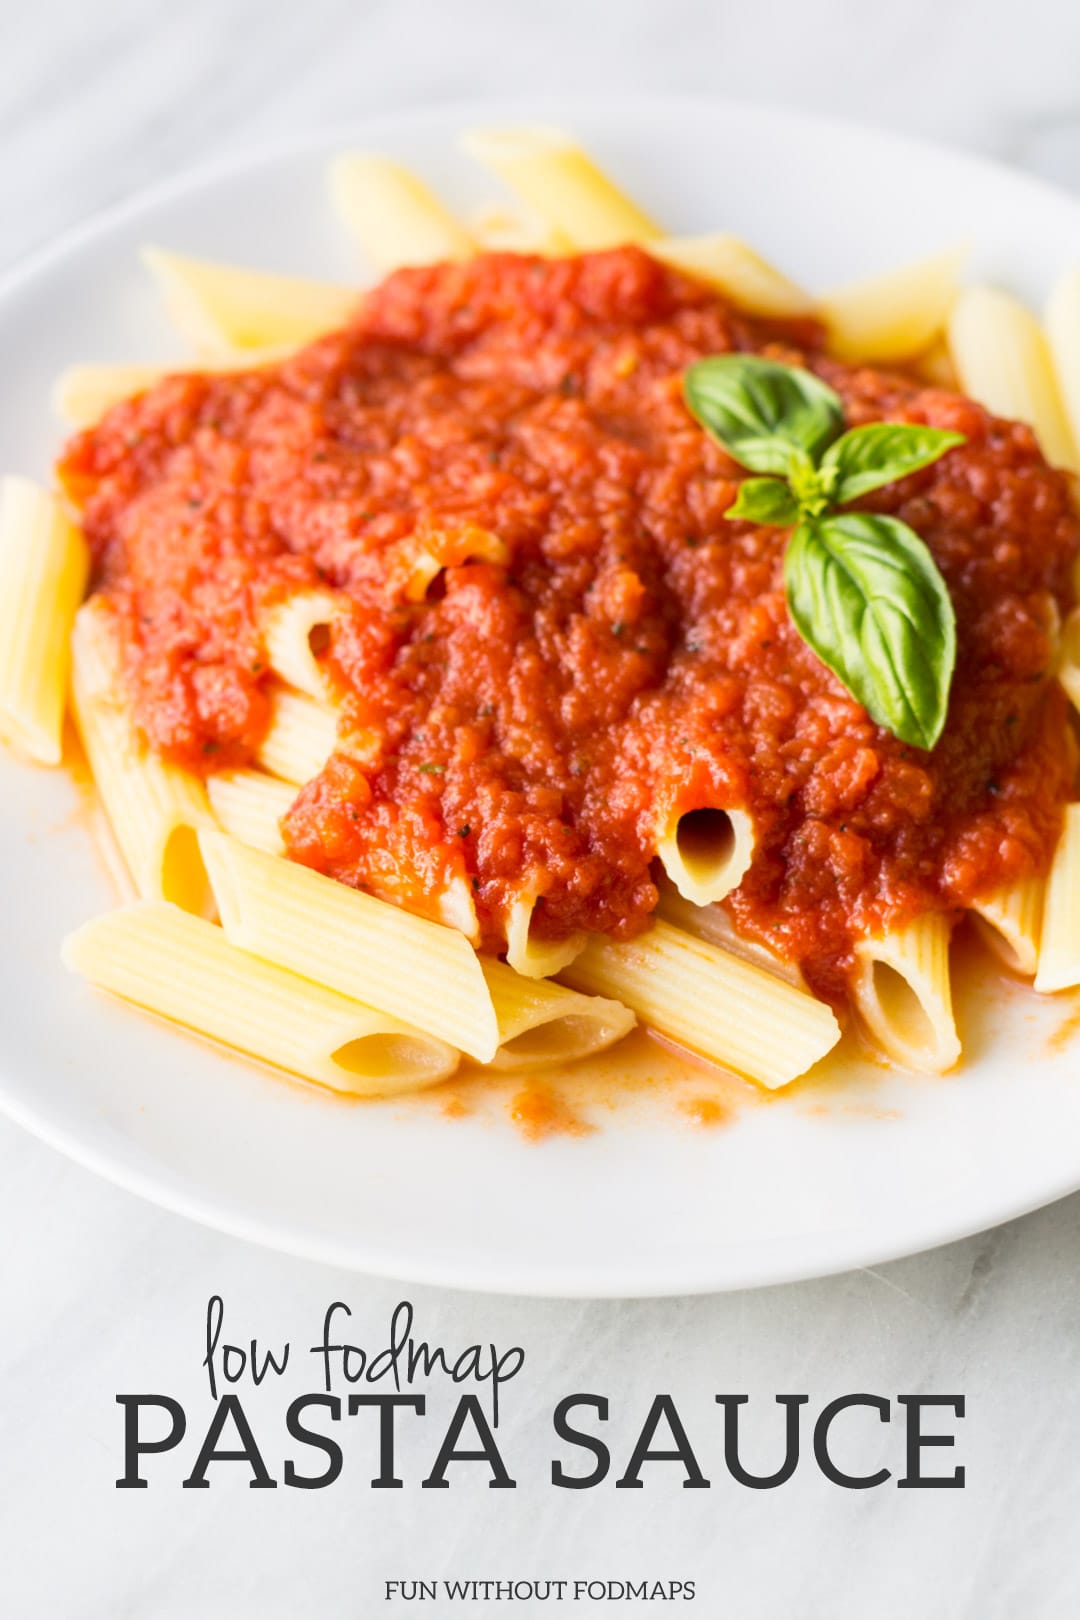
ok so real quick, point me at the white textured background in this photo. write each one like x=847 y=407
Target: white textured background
x=100 y=1293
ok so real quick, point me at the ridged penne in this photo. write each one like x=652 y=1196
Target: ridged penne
x=895 y=315
x=82 y=394
x=1063 y=332
x=734 y=269
x=419 y=971
x=43 y=569
x=154 y=808
x=300 y=738
x=250 y=805
x=903 y=993
x=221 y=307
x=1010 y=921
x=707 y=852
x=1003 y=360
x=708 y=1000
x=185 y=969
x=712 y=923
x=296 y=631
x=536 y=958
x=542 y=1023
x=1059 y=944
x=581 y=207
x=397 y=219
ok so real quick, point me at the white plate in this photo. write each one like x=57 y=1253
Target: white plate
x=872 y=1166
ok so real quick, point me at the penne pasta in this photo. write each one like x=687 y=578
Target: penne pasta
x=541 y=1023
x=43 y=569
x=734 y=269
x=895 y=315
x=250 y=805
x=707 y=853
x=185 y=969
x=903 y=994
x=82 y=394
x=704 y=998
x=1003 y=360
x=419 y=971
x=221 y=308
x=300 y=738
x=555 y=180
x=1063 y=332
x=154 y=808
x=296 y=632
x=536 y=958
x=396 y=218
x=1010 y=920
x=1059 y=943
x=712 y=923
x=507 y=230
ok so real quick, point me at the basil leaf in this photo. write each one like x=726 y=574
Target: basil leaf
x=768 y=417
x=765 y=500
x=866 y=595
x=867 y=457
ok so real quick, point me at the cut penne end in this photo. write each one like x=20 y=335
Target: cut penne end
x=82 y=394
x=895 y=315
x=903 y=994
x=716 y=1004
x=184 y=969
x=44 y=565
x=532 y=957
x=1009 y=920
x=728 y=265
x=582 y=209
x=418 y=971
x=221 y=307
x=296 y=632
x=396 y=218
x=541 y=1023
x=1059 y=944
x=707 y=853
x=1003 y=360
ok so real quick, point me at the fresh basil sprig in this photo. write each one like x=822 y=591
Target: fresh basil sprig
x=862 y=589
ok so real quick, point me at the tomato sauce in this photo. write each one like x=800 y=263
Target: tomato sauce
x=601 y=648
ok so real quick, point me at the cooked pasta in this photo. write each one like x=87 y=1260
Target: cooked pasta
x=82 y=394
x=1059 y=944
x=903 y=993
x=154 y=808
x=896 y=315
x=1003 y=360
x=220 y=307
x=250 y=805
x=395 y=216
x=712 y=923
x=533 y=957
x=707 y=853
x=43 y=569
x=1069 y=658
x=734 y=269
x=541 y=1023
x=1063 y=331
x=420 y=971
x=296 y=632
x=185 y=969
x=299 y=739
x=1009 y=920
x=715 y=1003
x=558 y=182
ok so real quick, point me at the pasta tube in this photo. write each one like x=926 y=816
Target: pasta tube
x=560 y=183
x=536 y=958
x=153 y=807
x=82 y=394
x=707 y=853
x=734 y=269
x=903 y=993
x=1063 y=331
x=1010 y=920
x=714 y=1003
x=419 y=971
x=895 y=315
x=541 y=1023
x=393 y=214
x=300 y=738
x=1059 y=945
x=220 y=307
x=182 y=968
x=43 y=568
x=250 y=805
x=1003 y=360
x=712 y=923
x=296 y=631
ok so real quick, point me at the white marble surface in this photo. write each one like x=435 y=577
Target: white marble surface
x=100 y=1293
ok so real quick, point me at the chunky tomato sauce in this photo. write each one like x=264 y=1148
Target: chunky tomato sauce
x=602 y=648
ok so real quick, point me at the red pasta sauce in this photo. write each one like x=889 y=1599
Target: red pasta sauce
x=620 y=652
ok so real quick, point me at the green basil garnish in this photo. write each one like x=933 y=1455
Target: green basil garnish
x=863 y=590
